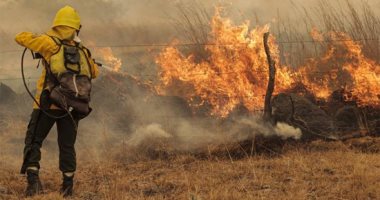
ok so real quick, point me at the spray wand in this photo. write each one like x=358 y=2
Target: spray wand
x=103 y=66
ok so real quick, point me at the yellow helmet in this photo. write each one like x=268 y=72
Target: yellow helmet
x=67 y=16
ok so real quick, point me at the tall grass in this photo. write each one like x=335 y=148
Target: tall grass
x=192 y=24
x=355 y=18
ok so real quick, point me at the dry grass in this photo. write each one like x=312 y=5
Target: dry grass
x=317 y=170
x=356 y=18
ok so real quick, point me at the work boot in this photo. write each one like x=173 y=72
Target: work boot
x=34 y=184
x=67 y=184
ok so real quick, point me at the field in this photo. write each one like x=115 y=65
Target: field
x=315 y=171
x=178 y=106
x=270 y=170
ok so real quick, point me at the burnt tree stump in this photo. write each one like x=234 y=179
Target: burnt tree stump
x=271 y=81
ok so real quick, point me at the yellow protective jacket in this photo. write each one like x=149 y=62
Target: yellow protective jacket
x=47 y=47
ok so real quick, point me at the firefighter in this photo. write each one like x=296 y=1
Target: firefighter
x=54 y=47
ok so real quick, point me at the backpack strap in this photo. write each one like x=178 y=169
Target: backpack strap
x=56 y=40
x=86 y=51
x=49 y=74
x=60 y=42
x=87 y=54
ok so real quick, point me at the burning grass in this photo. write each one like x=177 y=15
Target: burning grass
x=227 y=73
x=233 y=71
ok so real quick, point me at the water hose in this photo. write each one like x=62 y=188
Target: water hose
x=30 y=93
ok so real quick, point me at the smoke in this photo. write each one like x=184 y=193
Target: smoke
x=126 y=114
x=286 y=131
x=150 y=132
x=259 y=127
x=187 y=135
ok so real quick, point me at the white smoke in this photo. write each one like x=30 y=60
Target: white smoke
x=151 y=132
x=258 y=127
x=188 y=135
x=286 y=131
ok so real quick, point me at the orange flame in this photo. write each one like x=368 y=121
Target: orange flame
x=235 y=73
x=344 y=66
x=108 y=57
x=236 y=70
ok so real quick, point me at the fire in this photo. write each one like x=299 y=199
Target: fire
x=344 y=66
x=235 y=72
x=109 y=59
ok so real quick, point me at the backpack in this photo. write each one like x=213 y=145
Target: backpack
x=71 y=88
